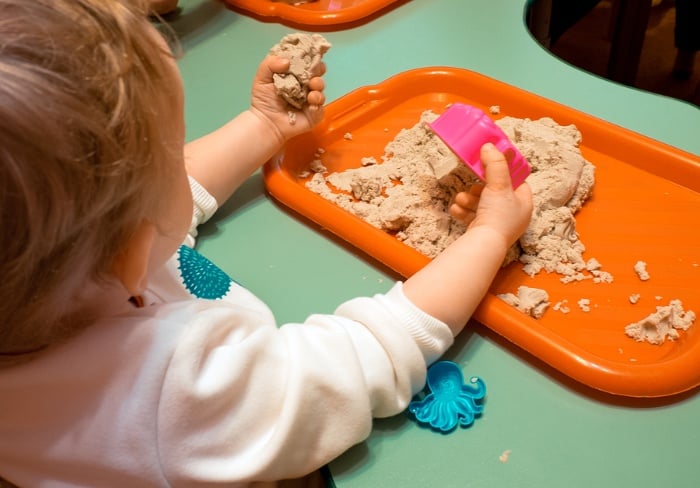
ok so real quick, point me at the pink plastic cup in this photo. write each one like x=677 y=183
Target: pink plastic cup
x=465 y=129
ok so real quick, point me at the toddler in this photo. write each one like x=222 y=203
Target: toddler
x=126 y=357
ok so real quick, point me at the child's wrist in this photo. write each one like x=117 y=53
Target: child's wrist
x=490 y=238
x=268 y=129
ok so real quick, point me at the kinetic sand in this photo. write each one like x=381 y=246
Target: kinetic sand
x=662 y=324
x=305 y=53
x=408 y=194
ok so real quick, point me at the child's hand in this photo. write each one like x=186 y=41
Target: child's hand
x=266 y=103
x=495 y=205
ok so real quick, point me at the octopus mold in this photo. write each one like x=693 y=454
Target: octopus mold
x=451 y=402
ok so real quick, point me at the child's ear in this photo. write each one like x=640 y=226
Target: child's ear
x=130 y=266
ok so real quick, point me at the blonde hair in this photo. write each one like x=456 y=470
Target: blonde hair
x=82 y=156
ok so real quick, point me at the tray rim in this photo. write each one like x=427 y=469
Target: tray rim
x=633 y=380
x=295 y=14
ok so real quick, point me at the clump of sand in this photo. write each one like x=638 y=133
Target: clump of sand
x=640 y=267
x=408 y=193
x=662 y=324
x=561 y=181
x=531 y=301
x=305 y=53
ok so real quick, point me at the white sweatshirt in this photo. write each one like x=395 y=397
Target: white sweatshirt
x=202 y=387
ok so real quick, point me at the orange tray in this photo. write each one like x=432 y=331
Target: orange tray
x=321 y=12
x=645 y=206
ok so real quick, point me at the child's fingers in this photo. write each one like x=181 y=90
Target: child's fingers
x=524 y=194
x=495 y=167
x=476 y=189
x=321 y=69
x=316 y=95
x=462 y=214
x=316 y=98
x=467 y=200
x=464 y=206
x=273 y=64
x=462 y=199
x=317 y=84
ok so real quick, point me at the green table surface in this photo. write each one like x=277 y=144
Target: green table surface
x=559 y=432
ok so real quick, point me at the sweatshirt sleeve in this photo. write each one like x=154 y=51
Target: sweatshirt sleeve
x=245 y=400
x=204 y=206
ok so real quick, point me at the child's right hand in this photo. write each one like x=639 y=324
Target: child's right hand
x=495 y=205
x=451 y=286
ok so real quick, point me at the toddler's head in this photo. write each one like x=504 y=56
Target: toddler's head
x=83 y=154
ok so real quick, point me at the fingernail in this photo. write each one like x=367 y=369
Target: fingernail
x=489 y=146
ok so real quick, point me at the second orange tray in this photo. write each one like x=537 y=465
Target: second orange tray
x=645 y=206
x=319 y=13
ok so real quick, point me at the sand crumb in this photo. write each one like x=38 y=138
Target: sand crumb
x=634 y=298
x=562 y=306
x=584 y=304
x=640 y=267
x=530 y=301
x=317 y=166
x=504 y=456
x=368 y=161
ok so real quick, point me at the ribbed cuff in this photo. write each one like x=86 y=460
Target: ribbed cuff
x=204 y=206
x=433 y=336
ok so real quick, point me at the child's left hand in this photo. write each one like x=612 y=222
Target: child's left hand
x=266 y=103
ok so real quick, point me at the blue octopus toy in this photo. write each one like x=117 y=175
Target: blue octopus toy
x=450 y=402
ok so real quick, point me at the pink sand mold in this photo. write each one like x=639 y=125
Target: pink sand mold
x=465 y=129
